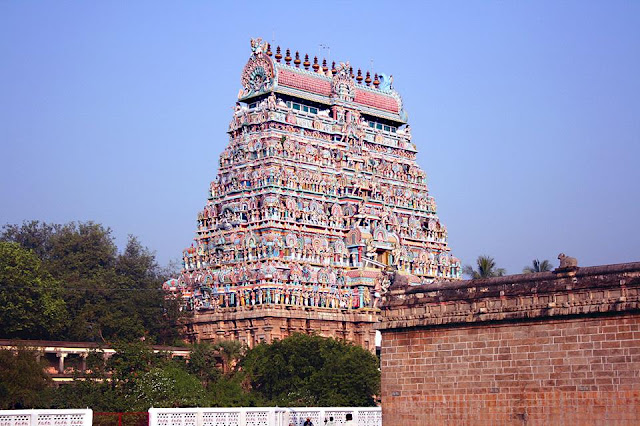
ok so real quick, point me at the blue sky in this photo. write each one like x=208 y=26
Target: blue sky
x=526 y=114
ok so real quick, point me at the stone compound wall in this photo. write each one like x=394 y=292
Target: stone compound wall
x=561 y=347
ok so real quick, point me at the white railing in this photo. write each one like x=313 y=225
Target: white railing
x=46 y=417
x=262 y=416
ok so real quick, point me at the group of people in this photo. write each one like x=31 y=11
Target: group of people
x=330 y=421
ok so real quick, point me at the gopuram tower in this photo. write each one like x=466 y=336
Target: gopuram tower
x=317 y=205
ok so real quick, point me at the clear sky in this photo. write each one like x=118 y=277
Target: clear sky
x=526 y=114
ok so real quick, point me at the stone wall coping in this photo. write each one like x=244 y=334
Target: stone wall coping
x=523 y=278
x=573 y=291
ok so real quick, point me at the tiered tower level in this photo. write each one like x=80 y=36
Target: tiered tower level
x=317 y=202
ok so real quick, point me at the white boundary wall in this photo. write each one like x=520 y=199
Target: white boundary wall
x=46 y=417
x=262 y=416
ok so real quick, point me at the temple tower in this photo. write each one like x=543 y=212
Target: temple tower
x=318 y=200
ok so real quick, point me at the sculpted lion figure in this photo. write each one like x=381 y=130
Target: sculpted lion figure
x=567 y=261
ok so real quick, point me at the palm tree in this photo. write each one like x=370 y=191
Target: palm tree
x=230 y=351
x=486 y=269
x=544 y=266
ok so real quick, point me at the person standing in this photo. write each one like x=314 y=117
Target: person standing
x=308 y=422
x=349 y=420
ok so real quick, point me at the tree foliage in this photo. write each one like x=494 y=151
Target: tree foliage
x=97 y=395
x=33 y=235
x=131 y=360
x=30 y=298
x=230 y=351
x=537 y=266
x=231 y=391
x=203 y=362
x=486 y=268
x=109 y=296
x=304 y=370
x=166 y=386
x=22 y=379
x=224 y=387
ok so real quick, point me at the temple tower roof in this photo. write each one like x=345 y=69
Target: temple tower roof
x=263 y=75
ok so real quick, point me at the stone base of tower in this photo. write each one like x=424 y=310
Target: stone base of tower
x=255 y=324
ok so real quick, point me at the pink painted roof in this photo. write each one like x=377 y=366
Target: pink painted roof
x=304 y=82
x=321 y=86
x=376 y=100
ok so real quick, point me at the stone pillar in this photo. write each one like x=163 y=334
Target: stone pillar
x=268 y=333
x=61 y=356
x=83 y=364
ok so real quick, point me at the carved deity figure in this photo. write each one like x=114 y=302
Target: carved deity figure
x=258 y=46
x=271 y=102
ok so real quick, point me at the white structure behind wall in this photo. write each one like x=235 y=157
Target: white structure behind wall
x=46 y=417
x=262 y=416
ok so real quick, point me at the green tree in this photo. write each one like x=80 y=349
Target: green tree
x=223 y=390
x=109 y=295
x=22 y=379
x=81 y=250
x=230 y=351
x=166 y=386
x=33 y=235
x=486 y=268
x=202 y=363
x=99 y=395
x=138 y=273
x=131 y=360
x=31 y=305
x=84 y=257
x=304 y=370
x=537 y=266
x=230 y=391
